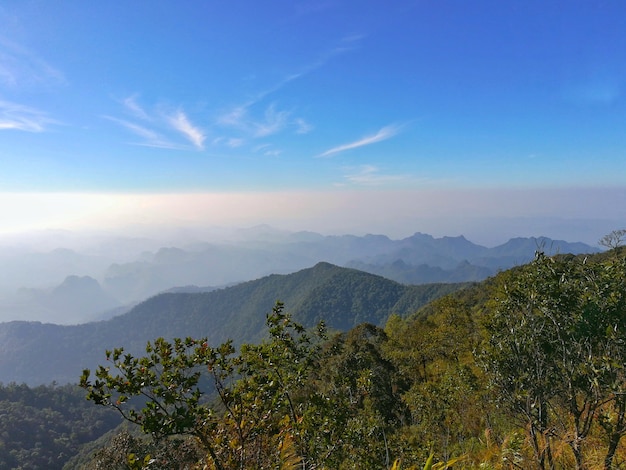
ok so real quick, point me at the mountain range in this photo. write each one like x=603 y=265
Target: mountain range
x=40 y=353
x=68 y=286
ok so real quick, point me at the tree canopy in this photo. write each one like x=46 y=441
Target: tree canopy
x=556 y=352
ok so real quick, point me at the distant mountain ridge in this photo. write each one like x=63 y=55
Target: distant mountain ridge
x=77 y=299
x=422 y=258
x=250 y=254
x=426 y=259
x=38 y=353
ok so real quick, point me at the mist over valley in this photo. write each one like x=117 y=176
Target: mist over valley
x=89 y=278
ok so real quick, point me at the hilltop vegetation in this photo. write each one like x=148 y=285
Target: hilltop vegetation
x=526 y=370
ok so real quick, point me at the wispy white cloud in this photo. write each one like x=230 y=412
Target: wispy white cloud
x=252 y=120
x=302 y=127
x=383 y=134
x=370 y=175
x=234 y=142
x=231 y=142
x=23 y=118
x=236 y=117
x=158 y=127
x=150 y=138
x=194 y=134
x=22 y=67
x=258 y=148
x=131 y=105
x=267 y=150
x=346 y=44
x=272 y=121
x=141 y=131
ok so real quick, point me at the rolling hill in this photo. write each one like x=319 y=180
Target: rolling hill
x=38 y=353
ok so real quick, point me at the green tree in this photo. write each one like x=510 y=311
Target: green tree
x=259 y=404
x=362 y=391
x=443 y=386
x=557 y=352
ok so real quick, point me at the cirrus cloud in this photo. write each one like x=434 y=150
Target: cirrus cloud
x=370 y=175
x=181 y=123
x=21 y=67
x=150 y=138
x=383 y=134
x=22 y=118
x=155 y=128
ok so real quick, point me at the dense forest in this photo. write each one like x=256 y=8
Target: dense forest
x=524 y=370
x=42 y=427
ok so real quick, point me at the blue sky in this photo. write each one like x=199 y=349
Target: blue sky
x=338 y=101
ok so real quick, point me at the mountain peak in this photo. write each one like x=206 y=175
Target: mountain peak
x=73 y=282
x=324 y=265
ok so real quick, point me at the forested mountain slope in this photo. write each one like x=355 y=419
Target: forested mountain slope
x=38 y=353
x=42 y=427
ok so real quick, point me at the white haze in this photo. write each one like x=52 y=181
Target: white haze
x=485 y=216
x=46 y=237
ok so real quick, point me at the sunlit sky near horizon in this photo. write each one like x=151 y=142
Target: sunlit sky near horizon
x=325 y=115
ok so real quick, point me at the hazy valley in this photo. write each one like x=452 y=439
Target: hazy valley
x=83 y=280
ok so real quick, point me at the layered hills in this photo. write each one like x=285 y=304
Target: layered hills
x=78 y=285
x=39 y=353
x=417 y=259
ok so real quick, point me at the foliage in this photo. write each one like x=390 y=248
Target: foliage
x=443 y=389
x=284 y=400
x=362 y=405
x=258 y=403
x=127 y=451
x=42 y=427
x=557 y=353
